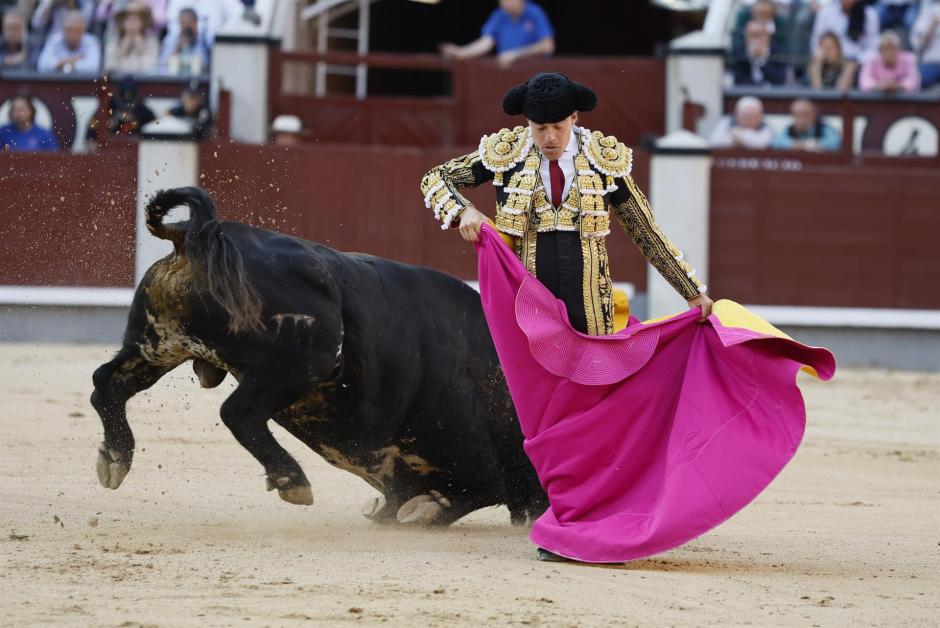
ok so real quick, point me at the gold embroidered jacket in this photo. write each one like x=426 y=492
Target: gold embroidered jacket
x=602 y=182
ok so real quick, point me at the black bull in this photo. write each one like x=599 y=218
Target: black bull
x=384 y=369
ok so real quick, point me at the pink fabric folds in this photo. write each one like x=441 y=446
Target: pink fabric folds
x=648 y=438
x=563 y=351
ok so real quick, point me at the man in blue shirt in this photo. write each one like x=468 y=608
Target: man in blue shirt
x=517 y=29
x=808 y=131
x=21 y=135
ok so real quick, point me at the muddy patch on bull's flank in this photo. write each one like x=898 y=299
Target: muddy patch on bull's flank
x=390 y=456
x=341 y=461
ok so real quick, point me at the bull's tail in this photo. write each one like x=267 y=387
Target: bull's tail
x=204 y=242
x=201 y=209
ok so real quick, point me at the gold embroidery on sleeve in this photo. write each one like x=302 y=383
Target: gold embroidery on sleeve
x=441 y=187
x=637 y=219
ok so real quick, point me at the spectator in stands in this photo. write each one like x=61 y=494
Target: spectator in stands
x=800 y=16
x=758 y=67
x=853 y=22
x=135 y=50
x=211 y=15
x=925 y=39
x=746 y=129
x=185 y=52
x=898 y=15
x=22 y=134
x=16 y=50
x=829 y=68
x=50 y=15
x=287 y=131
x=517 y=29
x=108 y=11
x=128 y=111
x=891 y=69
x=763 y=12
x=194 y=109
x=808 y=131
x=72 y=50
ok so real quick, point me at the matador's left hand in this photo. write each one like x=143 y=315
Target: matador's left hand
x=702 y=301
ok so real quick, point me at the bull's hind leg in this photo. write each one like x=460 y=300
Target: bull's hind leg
x=116 y=382
x=246 y=413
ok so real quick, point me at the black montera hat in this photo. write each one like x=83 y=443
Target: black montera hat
x=548 y=97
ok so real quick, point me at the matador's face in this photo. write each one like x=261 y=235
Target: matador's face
x=553 y=137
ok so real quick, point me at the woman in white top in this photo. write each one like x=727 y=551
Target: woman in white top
x=855 y=24
x=135 y=50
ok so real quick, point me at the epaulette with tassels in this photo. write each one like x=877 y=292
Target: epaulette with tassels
x=501 y=151
x=610 y=156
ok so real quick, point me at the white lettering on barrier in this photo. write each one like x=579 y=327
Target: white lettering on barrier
x=755 y=163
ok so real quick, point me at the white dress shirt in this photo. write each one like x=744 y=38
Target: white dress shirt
x=723 y=135
x=566 y=162
x=88 y=51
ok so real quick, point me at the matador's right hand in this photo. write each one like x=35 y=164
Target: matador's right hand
x=471 y=221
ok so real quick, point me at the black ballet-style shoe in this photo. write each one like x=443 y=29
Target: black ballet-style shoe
x=551 y=557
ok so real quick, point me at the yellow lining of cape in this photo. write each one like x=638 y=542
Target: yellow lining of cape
x=731 y=314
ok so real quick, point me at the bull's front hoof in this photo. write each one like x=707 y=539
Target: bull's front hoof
x=111 y=471
x=293 y=488
x=423 y=509
x=300 y=495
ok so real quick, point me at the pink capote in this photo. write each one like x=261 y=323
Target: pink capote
x=650 y=437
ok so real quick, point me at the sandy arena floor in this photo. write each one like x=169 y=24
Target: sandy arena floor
x=849 y=534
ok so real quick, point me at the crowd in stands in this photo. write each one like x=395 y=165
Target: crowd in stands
x=882 y=46
x=127 y=115
x=123 y=39
x=877 y=46
x=119 y=37
x=746 y=128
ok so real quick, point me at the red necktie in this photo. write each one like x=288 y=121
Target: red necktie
x=558 y=181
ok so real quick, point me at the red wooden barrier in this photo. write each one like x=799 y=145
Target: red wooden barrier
x=68 y=220
x=825 y=235
x=362 y=198
x=631 y=92
x=787 y=229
